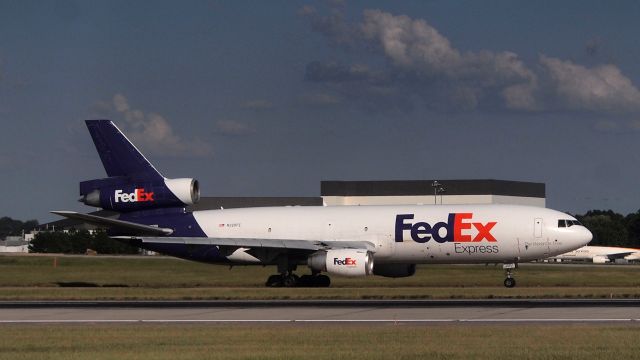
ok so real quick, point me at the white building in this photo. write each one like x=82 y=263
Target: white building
x=14 y=244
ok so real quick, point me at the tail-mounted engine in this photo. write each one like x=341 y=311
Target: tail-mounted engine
x=121 y=194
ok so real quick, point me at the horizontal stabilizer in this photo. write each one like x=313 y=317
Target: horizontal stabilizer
x=309 y=245
x=135 y=228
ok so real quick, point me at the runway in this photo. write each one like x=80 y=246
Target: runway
x=397 y=312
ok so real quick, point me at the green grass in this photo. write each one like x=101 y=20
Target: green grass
x=35 y=277
x=89 y=278
x=337 y=341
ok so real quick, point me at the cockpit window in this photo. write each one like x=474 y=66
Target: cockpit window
x=567 y=223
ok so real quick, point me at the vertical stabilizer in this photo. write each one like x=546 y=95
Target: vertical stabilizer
x=119 y=156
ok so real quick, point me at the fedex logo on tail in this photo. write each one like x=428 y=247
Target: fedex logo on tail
x=138 y=195
x=458 y=228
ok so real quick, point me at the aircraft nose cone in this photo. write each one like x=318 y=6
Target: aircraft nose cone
x=586 y=236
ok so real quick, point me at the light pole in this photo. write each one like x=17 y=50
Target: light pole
x=436 y=185
x=437 y=189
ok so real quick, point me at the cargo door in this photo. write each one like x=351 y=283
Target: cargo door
x=539 y=241
x=537 y=228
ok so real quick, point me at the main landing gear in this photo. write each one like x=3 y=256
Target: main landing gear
x=508 y=270
x=290 y=279
x=286 y=277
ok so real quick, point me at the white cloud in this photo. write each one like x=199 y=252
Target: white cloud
x=154 y=133
x=635 y=125
x=409 y=43
x=120 y=102
x=319 y=99
x=414 y=45
x=522 y=96
x=606 y=126
x=422 y=64
x=601 y=88
x=232 y=127
x=258 y=104
x=306 y=10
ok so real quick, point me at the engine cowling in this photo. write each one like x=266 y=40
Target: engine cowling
x=122 y=194
x=394 y=270
x=600 y=259
x=345 y=262
x=186 y=190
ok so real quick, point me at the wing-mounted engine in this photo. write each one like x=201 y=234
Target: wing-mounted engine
x=124 y=194
x=346 y=262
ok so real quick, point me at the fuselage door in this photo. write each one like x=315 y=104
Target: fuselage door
x=540 y=243
x=537 y=227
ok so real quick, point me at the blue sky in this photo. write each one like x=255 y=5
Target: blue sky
x=269 y=98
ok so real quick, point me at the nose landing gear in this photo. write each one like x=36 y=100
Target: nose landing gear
x=509 y=282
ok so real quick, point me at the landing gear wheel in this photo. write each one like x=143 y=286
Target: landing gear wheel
x=274 y=281
x=306 y=281
x=509 y=282
x=290 y=280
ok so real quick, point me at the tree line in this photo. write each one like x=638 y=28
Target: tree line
x=612 y=229
x=70 y=242
x=78 y=242
x=11 y=227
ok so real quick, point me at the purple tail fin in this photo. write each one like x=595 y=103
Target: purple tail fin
x=119 y=156
x=132 y=184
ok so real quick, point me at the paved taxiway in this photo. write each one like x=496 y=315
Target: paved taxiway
x=370 y=312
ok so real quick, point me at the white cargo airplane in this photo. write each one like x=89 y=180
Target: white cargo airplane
x=599 y=254
x=343 y=240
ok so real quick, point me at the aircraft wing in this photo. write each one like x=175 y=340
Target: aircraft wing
x=115 y=223
x=308 y=245
x=155 y=236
